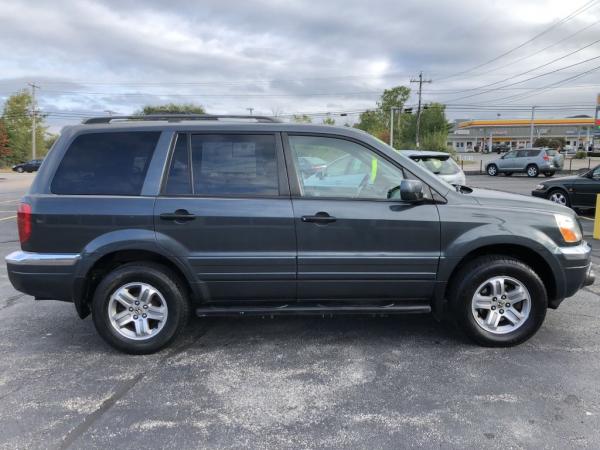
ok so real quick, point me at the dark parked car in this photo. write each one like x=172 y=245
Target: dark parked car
x=143 y=221
x=576 y=191
x=29 y=166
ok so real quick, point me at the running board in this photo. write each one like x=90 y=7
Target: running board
x=312 y=310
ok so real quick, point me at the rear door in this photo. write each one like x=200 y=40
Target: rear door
x=225 y=208
x=353 y=242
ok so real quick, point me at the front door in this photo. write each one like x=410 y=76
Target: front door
x=585 y=189
x=353 y=242
x=509 y=161
x=225 y=209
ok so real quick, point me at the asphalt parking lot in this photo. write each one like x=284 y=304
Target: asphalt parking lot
x=295 y=382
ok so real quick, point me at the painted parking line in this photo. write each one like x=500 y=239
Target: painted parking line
x=8 y=218
x=585 y=218
x=10 y=201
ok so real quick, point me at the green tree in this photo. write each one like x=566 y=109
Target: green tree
x=557 y=143
x=541 y=142
x=5 y=151
x=328 y=121
x=173 y=108
x=297 y=118
x=432 y=127
x=377 y=121
x=50 y=140
x=18 y=123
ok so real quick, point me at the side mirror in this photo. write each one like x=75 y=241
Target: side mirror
x=411 y=191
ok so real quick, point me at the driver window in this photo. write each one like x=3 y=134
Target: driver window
x=333 y=167
x=510 y=155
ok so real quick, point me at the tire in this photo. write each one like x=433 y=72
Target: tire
x=508 y=174
x=492 y=170
x=559 y=196
x=475 y=278
x=532 y=171
x=548 y=174
x=139 y=335
x=20 y=170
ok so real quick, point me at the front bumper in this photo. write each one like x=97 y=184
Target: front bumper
x=577 y=268
x=43 y=275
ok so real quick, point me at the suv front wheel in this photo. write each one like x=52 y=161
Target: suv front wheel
x=498 y=301
x=140 y=307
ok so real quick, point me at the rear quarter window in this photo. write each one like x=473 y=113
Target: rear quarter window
x=105 y=164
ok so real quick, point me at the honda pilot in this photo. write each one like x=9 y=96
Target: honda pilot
x=142 y=221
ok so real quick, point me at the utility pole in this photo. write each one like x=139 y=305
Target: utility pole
x=531 y=126
x=250 y=110
x=420 y=80
x=33 y=112
x=392 y=109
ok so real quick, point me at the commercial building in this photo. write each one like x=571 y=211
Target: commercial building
x=578 y=132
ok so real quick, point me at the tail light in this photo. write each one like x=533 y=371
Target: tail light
x=546 y=158
x=24 y=222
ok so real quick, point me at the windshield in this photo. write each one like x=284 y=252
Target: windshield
x=440 y=165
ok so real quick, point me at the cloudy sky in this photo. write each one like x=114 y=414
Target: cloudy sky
x=283 y=57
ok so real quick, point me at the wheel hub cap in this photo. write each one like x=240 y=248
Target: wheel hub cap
x=501 y=305
x=137 y=311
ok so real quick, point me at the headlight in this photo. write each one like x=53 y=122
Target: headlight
x=540 y=187
x=569 y=228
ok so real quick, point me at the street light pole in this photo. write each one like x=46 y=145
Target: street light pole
x=531 y=126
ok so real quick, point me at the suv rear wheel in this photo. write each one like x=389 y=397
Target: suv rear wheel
x=498 y=301
x=140 y=307
x=532 y=170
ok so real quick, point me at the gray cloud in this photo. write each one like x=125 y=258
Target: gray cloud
x=94 y=55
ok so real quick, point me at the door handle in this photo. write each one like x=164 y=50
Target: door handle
x=181 y=215
x=320 y=217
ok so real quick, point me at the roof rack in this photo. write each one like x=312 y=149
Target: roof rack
x=177 y=118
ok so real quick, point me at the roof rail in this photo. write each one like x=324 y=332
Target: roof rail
x=177 y=118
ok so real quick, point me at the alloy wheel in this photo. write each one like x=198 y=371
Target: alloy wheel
x=501 y=305
x=137 y=311
x=558 y=197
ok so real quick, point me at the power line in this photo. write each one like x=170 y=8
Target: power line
x=549 y=86
x=570 y=16
x=535 y=68
x=527 y=79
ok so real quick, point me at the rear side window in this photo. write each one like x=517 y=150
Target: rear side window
x=533 y=153
x=226 y=165
x=105 y=164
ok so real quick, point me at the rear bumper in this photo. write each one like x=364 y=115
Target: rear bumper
x=46 y=276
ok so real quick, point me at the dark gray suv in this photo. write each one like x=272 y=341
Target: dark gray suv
x=142 y=220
